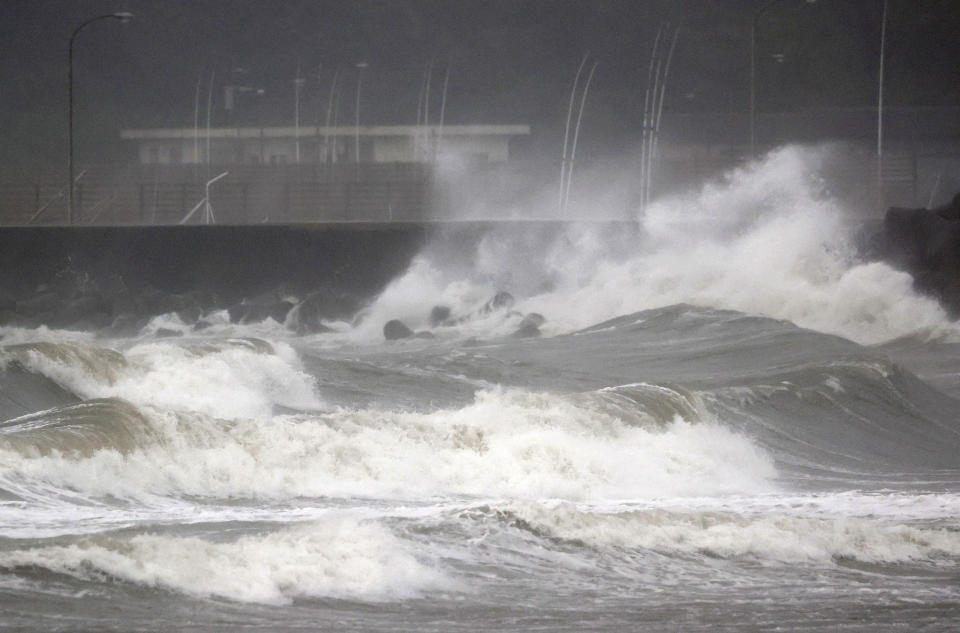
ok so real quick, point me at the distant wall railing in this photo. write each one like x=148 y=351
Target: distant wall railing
x=164 y=194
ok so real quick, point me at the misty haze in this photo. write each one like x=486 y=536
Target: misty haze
x=507 y=315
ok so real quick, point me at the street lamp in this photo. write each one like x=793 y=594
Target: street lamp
x=124 y=17
x=755 y=20
x=361 y=66
x=298 y=84
x=883 y=45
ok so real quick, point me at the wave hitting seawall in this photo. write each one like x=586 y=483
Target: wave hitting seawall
x=721 y=419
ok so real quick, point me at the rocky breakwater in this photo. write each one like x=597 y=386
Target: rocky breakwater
x=926 y=243
x=498 y=309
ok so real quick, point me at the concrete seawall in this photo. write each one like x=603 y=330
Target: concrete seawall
x=116 y=277
x=92 y=278
x=234 y=260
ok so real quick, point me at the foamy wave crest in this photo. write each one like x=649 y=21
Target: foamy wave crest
x=337 y=557
x=783 y=538
x=12 y=335
x=508 y=443
x=227 y=378
x=766 y=240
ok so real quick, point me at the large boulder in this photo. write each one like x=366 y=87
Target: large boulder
x=926 y=243
x=503 y=300
x=395 y=330
x=439 y=315
x=529 y=326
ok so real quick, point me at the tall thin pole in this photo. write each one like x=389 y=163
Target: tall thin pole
x=648 y=116
x=443 y=108
x=753 y=82
x=651 y=126
x=123 y=17
x=883 y=41
x=336 y=124
x=326 y=134
x=576 y=134
x=70 y=129
x=360 y=67
x=426 y=109
x=416 y=133
x=209 y=109
x=297 y=86
x=566 y=133
x=426 y=94
x=196 y=124
x=655 y=139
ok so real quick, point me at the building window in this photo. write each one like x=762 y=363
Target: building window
x=176 y=155
x=153 y=154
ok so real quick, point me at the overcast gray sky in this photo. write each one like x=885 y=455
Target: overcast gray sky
x=511 y=61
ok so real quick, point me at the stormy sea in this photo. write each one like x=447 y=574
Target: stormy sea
x=721 y=416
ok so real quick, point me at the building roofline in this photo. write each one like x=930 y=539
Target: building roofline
x=308 y=131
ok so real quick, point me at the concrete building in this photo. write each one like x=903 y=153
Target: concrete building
x=321 y=145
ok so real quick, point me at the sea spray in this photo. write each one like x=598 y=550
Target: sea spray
x=766 y=239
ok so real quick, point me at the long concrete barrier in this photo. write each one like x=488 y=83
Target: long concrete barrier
x=94 y=278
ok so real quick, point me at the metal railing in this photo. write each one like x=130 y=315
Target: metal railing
x=244 y=194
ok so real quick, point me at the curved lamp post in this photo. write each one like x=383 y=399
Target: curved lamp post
x=123 y=17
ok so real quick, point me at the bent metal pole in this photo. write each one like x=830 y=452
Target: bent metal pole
x=123 y=17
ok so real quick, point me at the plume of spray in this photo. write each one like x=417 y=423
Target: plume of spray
x=765 y=239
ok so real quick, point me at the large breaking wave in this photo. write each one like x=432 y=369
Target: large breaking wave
x=767 y=239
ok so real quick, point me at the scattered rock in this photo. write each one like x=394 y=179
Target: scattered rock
x=201 y=325
x=191 y=314
x=951 y=210
x=323 y=305
x=501 y=300
x=529 y=326
x=126 y=324
x=425 y=335
x=440 y=315
x=526 y=331
x=395 y=330
x=534 y=318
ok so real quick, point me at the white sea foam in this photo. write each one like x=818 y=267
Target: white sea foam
x=765 y=240
x=222 y=378
x=769 y=536
x=12 y=335
x=334 y=557
x=508 y=443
